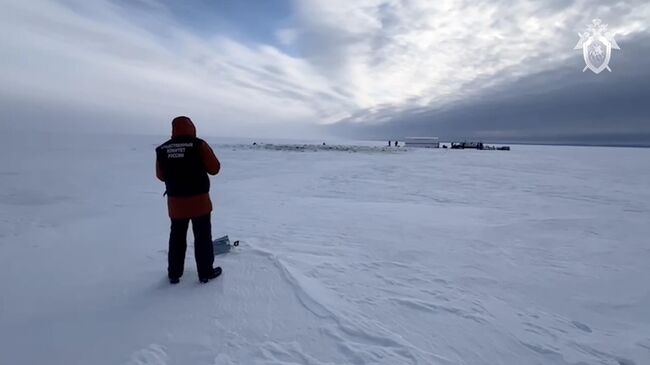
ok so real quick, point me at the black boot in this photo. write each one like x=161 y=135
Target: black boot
x=215 y=272
x=174 y=280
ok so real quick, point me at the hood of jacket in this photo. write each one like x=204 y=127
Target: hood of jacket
x=183 y=126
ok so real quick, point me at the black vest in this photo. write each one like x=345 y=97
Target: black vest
x=182 y=166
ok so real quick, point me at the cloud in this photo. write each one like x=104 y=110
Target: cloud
x=287 y=36
x=368 y=62
x=92 y=56
x=418 y=52
x=562 y=105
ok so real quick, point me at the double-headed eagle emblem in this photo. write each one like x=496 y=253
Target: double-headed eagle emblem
x=597 y=44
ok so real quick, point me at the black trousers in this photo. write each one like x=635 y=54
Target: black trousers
x=203 y=252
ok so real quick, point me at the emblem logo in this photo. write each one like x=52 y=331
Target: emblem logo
x=597 y=44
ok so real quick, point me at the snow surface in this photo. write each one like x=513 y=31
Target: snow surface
x=539 y=255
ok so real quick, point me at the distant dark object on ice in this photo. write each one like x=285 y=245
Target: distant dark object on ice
x=467 y=145
x=476 y=146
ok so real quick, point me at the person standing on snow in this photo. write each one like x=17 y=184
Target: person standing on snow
x=183 y=164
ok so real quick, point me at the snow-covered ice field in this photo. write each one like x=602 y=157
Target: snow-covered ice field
x=540 y=255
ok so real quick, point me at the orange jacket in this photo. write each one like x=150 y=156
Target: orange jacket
x=197 y=205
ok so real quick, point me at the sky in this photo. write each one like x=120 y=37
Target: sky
x=503 y=70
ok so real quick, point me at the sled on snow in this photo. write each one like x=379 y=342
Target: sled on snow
x=223 y=245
